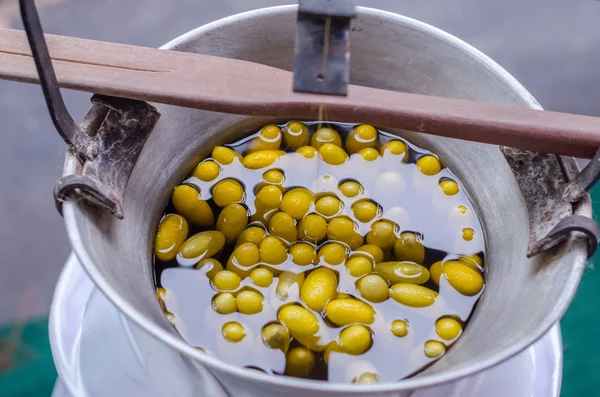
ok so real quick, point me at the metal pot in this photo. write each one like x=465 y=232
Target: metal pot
x=523 y=297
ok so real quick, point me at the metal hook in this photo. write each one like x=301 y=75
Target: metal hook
x=584 y=181
x=81 y=143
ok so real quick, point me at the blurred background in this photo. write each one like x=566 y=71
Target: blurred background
x=551 y=46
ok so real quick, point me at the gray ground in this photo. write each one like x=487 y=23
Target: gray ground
x=551 y=46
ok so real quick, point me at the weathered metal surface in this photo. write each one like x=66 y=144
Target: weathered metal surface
x=322 y=47
x=120 y=128
x=550 y=192
x=542 y=182
x=333 y=8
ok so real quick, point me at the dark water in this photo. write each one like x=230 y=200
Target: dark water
x=413 y=201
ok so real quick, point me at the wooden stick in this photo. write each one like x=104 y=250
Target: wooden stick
x=234 y=86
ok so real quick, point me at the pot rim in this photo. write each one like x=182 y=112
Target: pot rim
x=70 y=211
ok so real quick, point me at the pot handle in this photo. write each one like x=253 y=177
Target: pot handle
x=564 y=228
x=108 y=142
x=573 y=192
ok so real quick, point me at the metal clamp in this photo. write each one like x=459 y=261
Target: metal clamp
x=120 y=128
x=322 y=49
x=109 y=141
x=559 y=205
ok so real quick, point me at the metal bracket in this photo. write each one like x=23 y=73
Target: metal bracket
x=109 y=141
x=120 y=127
x=322 y=48
x=550 y=205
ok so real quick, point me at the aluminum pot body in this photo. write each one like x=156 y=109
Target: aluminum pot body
x=523 y=297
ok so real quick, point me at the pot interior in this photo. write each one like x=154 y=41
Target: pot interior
x=522 y=298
